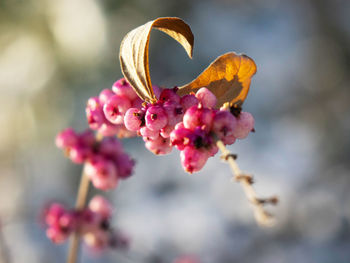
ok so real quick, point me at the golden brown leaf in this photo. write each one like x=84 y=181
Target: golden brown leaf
x=228 y=77
x=134 y=52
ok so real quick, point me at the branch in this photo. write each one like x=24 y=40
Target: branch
x=262 y=217
x=80 y=204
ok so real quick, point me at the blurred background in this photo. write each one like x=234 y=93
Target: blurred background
x=54 y=55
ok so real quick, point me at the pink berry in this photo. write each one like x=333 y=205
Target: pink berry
x=160 y=146
x=66 y=138
x=67 y=222
x=188 y=101
x=97 y=239
x=245 y=124
x=94 y=118
x=102 y=173
x=166 y=131
x=180 y=137
x=105 y=95
x=224 y=124
x=206 y=97
x=56 y=235
x=53 y=214
x=156 y=118
x=169 y=95
x=197 y=116
x=173 y=111
x=87 y=138
x=133 y=119
x=78 y=154
x=148 y=133
x=180 y=125
x=109 y=129
x=60 y=223
x=101 y=205
x=115 y=108
x=123 y=132
x=93 y=103
x=193 y=160
x=200 y=139
x=124 y=165
x=123 y=88
x=213 y=150
x=94 y=113
x=110 y=147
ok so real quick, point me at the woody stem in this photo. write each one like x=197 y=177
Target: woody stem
x=80 y=204
x=263 y=217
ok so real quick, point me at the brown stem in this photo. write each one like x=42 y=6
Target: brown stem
x=263 y=217
x=79 y=205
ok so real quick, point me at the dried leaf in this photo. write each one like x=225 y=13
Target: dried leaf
x=134 y=52
x=228 y=77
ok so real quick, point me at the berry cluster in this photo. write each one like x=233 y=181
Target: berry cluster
x=155 y=121
x=105 y=160
x=202 y=125
x=105 y=113
x=191 y=122
x=92 y=224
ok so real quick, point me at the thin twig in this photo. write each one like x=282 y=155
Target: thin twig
x=263 y=217
x=80 y=204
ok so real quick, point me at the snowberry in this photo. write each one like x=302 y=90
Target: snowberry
x=169 y=95
x=54 y=212
x=188 y=101
x=224 y=124
x=61 y=223
x=105 y=95
x=102 y=172
x=94 y=113
x=109 y=129
x=125 y=165
x=245 y=124
x=148 y=133
x=110 y=147
x=192 y=159
x=115 y=108
x=78 y=154
x=101 y=205
x=96 y=240
x=159 y=146
x=173 y=111
x=123 y=88
x=198 y=116
x=206 y=97
x=156 y=118
x=180 y=137
x=133 y=119
x=66 y=138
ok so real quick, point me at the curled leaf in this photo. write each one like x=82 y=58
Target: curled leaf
x=228 y=77
x=133 y=52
